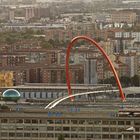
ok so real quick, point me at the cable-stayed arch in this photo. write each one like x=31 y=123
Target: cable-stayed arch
x=71 y=44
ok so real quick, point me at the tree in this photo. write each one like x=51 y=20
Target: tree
x=29 y=31
x=10 y=40
x=51 y=41
x=126 y=27
x=125 y=81
x=135 y=80
x=61 y=137
x=39 y=32
x=4 y=107
x=46 y=44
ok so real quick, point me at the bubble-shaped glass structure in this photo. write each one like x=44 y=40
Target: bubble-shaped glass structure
x=11 y=95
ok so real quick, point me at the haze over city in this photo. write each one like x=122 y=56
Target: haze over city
x=69 y=70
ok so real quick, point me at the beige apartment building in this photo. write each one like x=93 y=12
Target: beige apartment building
x=81 y=125
x=123 y=16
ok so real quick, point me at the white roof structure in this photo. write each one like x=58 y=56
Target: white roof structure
x=131 y=90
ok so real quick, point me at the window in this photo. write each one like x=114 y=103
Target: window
x=89 y=135
x=57 y=135
x=105 y=129
x=28 y=128
x=42 y=121
x=50 y=122
x=81 y=128
x=42 y=135
x=89 y=121
x=4 y=134
x=81 y=121
x=11 y=127
x=4 y=127
x=97 y=129
x=27 y=134
x=137 y=129
x=112 y=129
x=113 y=136
x=120 y=122
x=40 y=94
x=42 y=128
x=34 y=121
x=19 y=134
x=74 y=121
x=105 y=136
x=137 y=122
x=53 y=76
x=35 y=95
x=58 y=128
x=11 y=134
x=120 y=129
x=20 y=128
x=27 y=121
x=89 y=129
x=4 y=120
x=97 y=136
x=34 y=134
x=105 y=122
x=58 y=121
x=66 y=128
x=29 y=95
x=19 y=121
x=112 y=122
x=23 y=95
x=50 y=135
x=128 y=123
x=74 y=128
x=137 y=136
x=34 y=128
x=66 y=135
x=97 y=122
x=66 y=121
x=50 y=128
x=74 y=135
x=81 y=135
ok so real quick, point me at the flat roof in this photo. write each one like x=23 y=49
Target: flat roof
x=37 y=86
x=130 y=90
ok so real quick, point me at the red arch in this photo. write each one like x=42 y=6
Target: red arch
x=104 y=54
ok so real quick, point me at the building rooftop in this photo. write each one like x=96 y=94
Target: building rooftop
x=57 y=86
x=132 y=90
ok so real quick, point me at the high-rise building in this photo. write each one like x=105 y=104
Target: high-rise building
x=11 y=14
x=90 y=72
x=29 y=13
x=123 y=16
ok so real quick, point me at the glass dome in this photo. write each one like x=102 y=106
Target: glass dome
x=11 y=95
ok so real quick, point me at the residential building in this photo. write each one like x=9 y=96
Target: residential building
x=90 y=71
x=131 y=60
x=29 y=13
x=123 y=16
x=11 y=14
x=76 y=125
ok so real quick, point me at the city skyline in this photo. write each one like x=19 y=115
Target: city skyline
x=69 y=70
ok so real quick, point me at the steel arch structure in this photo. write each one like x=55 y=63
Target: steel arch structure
x=70 y=45
x=61 y=99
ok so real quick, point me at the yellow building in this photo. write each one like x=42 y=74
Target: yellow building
x=6 y=78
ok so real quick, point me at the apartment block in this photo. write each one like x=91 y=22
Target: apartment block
x=123 y=16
